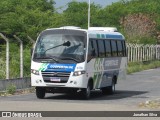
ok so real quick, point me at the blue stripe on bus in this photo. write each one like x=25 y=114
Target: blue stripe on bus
x=109 y=36
x=61 y=67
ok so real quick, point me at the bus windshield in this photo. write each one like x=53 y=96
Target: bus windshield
x=61 y=47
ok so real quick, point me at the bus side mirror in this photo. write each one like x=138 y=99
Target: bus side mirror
x=67 y=44
x=91 y=55
x=31 y=51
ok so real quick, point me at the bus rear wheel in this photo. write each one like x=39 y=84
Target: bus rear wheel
x=40 y=92
x=109 y=90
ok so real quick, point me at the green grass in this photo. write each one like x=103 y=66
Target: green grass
x=17 y=91
x=11 y=89
x=139 y=66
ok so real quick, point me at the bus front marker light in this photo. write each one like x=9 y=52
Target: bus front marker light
x=36 y=72
x=71 y=81
x=77 y=73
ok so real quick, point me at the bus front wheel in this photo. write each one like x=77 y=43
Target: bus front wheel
x=40 y=92
x=86 y=92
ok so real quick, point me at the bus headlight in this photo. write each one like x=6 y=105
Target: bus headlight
x=36 y=72
x=77 y=73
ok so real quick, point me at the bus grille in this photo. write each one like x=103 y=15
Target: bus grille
x=49 y=77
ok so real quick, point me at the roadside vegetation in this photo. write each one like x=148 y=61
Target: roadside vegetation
x=140 y=66
x=12 y=91
x=138 y=20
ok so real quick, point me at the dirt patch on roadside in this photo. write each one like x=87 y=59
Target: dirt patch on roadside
x=152 y=104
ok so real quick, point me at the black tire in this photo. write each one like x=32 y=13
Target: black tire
x=104 y=90
x=86 y=92
x=40 y=92
x=109 y=90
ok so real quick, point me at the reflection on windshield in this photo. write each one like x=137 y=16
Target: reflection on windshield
x=64 y=47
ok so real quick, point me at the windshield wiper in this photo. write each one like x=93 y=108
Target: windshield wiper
x=64 y=44
x=52 y=58
x=69 y=58
x=55 y=59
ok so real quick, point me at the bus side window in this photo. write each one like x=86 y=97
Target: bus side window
x=120 y=48
x=124 y=48
x=90 y=50
x=101 y=48
x=108 y=48
x=114 y=48
x=95 y=47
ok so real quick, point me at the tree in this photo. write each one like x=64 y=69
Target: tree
x=77 y=14
x=25 y=17
x=22 y=18
x=118 y=13
x=138 y=26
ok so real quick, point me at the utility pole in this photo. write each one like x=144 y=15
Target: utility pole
x=89 y=12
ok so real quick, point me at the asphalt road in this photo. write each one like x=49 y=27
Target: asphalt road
x=137 y=88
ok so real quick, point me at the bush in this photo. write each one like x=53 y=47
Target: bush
x=139 y=66
x=11 y=89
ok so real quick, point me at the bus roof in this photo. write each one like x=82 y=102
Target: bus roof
x=105 y=35
x=96 y=32
x=107 y=29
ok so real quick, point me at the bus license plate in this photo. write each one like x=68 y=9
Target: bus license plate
x=55 y=79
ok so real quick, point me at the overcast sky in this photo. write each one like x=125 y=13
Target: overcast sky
x=103 y=3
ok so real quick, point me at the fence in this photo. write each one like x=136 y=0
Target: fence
x=140 y=52
x=8 y=52
x=20 y=83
